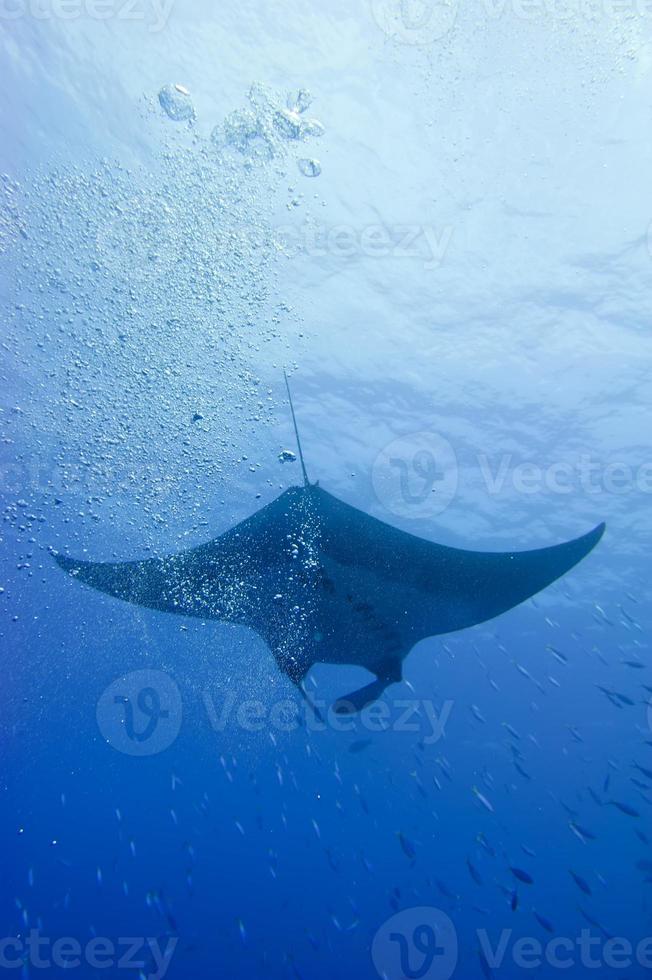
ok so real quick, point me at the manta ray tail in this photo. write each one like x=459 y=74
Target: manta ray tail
x=306 y=481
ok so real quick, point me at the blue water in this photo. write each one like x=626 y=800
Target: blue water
x=447 y=246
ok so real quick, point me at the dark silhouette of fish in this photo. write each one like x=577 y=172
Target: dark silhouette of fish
x=323 y=582
x=522 y=876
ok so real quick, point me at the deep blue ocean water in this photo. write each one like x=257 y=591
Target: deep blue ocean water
x=436 y=217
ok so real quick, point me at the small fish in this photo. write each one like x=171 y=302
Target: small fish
x=359 y=745
x=473 y=871
x=593 y=922
x=562 y=658
x=627 y=616
x=522 y=876
x=581 y=884
x=624 y=699
x=624 y=808
x=646 y=772
x=611 y=695
x=483 y=799
x=543 y=922
x=512 y=731
x=594 y=796
x=407 y=846
x=569 y=810
x=367 y=863
x=475 y=711
x=639 y=784
x=482 y=840
x=514 y=901
x=581 y=832
x=602 y=613
x=445 y=890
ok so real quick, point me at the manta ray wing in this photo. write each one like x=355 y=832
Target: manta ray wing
x=323 y=582
x=390 y=589
x=229 y=578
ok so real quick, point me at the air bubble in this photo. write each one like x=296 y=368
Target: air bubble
x=288 y=123
x=301 y=101
x=309 y=167
x=176 y=103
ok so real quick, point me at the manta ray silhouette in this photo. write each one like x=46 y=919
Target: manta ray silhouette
x=322 y=582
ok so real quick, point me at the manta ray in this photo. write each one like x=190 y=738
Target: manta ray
x=323 y=582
